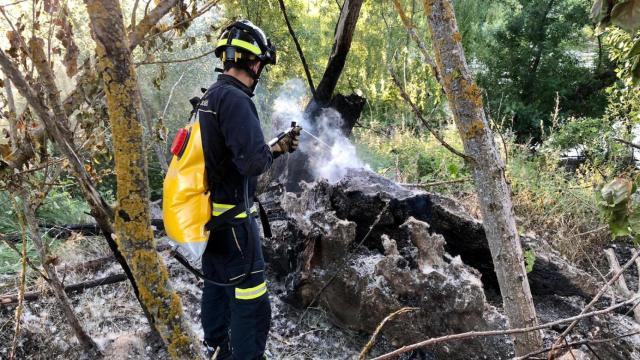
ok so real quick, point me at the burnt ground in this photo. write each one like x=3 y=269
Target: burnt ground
x=114 y=319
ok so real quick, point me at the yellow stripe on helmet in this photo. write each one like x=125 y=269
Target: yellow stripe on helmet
x=241 y=44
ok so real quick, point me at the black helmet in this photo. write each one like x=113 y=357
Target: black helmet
x=244 y=40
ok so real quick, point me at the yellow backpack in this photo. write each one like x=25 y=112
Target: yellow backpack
x=186 y=207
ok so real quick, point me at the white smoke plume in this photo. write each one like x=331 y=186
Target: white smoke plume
x=333 y=154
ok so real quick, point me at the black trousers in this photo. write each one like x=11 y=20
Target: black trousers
x=235 y=318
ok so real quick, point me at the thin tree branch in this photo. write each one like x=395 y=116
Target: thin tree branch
x=635 y=146
x=85 y=340
x=299 y=48
x=175 y=60
x=133 y=13
x=602 y=291
x=424 y=121
x=200 y=12
x=577 y=343
x=23 y=280
x=389 y=317
x=411 y=30
x=474 y=334
x=70 y=289
x=437 y=183
x=149 y=21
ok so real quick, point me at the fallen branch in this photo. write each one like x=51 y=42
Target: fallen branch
x=437 y=183
x=34 y=295
x=390 y=317
x=577 y=343
x=602 y=291
x=474 y=334
x=621 y=284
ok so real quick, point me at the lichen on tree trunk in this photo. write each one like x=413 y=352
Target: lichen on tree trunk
x=132 y=216
x=491 y=184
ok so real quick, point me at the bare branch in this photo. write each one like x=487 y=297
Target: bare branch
x=200 y=12
x=411 y=30
x=23 y=280
x=389 y=317
x=70 y=289
x=437 y=183
x=578 y=343
x=595 y=299
x=635 y=146
x=149 y=21
x=621 y=284
x=424 y=121
x=58 y=289
x=175 y=60
x=133 y=13
x=298 y=47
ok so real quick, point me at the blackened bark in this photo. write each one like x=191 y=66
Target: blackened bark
x=345 y=29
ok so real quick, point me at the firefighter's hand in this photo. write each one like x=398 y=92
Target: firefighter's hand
x=288 y=143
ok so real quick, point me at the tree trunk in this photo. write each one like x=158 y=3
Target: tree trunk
x=134 y=234
x=494 y=192
x=345 y=28
x=85 y=340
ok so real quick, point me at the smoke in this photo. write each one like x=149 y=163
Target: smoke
x=332 y=154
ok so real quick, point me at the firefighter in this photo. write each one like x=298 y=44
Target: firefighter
x=236 y=319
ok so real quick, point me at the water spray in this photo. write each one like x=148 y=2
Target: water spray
x=318 y=139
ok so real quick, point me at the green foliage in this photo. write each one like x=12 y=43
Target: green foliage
x=529 y=259
x=408 y=156
x=59 y=208
x=574 y=132
x=619 y=203
x=541 y=53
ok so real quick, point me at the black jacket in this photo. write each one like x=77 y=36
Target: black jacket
x=232 y=140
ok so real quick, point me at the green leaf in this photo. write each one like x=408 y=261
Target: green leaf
x=626 y=14
x=616 y=192
x=634 y=214
x=635 y=50
x=453 y=169
x=529 y=260
x=619 y=226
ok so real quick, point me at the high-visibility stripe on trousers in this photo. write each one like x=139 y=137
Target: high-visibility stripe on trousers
x=242 y=310
x=251 y=293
